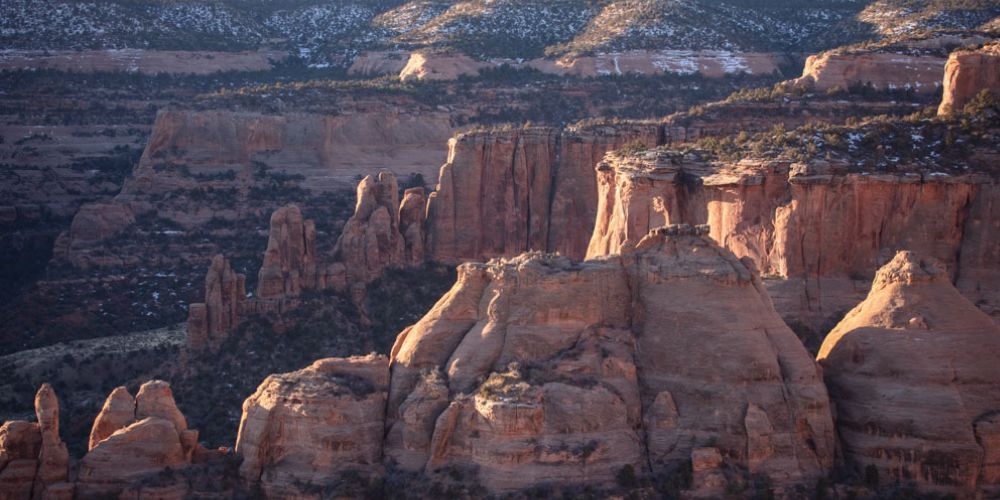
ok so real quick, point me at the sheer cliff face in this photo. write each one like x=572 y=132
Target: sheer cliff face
x=912 y=370
x=532 y=367
x=822 y=231
x=968 y=73
x=503 y=193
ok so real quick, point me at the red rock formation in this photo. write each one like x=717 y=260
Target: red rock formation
x=883 y=70
x=412 y=211
x=552 y=365
x=817 y=228
x=506 y=192
x=290 y=260
x=967 y=73
x=914 y=376
x=117 y=413
x=225 y=296
x=300 y=429
x=371 y=240
x=130 y=442
x=92 y=224
x=34 y=461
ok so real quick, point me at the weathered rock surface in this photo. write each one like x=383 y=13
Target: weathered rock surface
x=883 y=70
x=371 y=239
x=92 y=224
x=225 y=296
x=913 y=373
x=328 y=150
x=300 y=429
x=506 y=192
x=819 y=229
x=553 y=368
x=117 y=413
x=412 y=211
x=134 y=439
x=967 y=73
x=34 y=461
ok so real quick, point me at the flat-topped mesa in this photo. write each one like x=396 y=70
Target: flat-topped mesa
x=507 y=191
x=300 y=431
x=913 y=373
x=135 y=439
x=225 y=302
x=968 y=73
x=34 y=461
x=532 y=367
x=371 y=239
x=820 y=227
x=914 y=64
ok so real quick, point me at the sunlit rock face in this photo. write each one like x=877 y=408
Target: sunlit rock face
x=537 y=367
x=913 y=373
x=301 y=430
x=968 y=73
x=819 y=229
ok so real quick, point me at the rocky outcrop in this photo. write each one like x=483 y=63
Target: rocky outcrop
x=819 y=229
x=371 y=239
x=913 y=373
x=300 y=429
x=34 y=461
x=552 y=367
x=882 y=70
x=967 y=73
x=225 y=295
x=444 y=66
x=424 y=65
x=117 y=413
x=132 y=443
x=509 y=191
x=412 y=211
x=93 y=224
x=290 y=261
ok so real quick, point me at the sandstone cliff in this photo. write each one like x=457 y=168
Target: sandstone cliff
x=818 y=229
x=883 y=70
x=506 y=192
x=913 y=373
x=967 y=73
x=552 y=367
x=301 y=429
x=34 y=461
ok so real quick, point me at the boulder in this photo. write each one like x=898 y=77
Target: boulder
x=913 y=373
x=300 y=430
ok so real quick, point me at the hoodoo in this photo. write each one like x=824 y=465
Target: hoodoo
x=913 y=373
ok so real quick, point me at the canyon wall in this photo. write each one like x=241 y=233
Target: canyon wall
x=912 y=370
x=967 y=73
x=328 y=150
x=820 y=230
x=506 y=192
x=422 y=65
